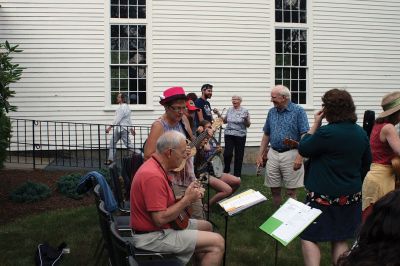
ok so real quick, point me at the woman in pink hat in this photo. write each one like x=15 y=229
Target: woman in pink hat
x=385 y=145
x=174 y=102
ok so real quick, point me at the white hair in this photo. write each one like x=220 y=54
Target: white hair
x=237 y=96
x=169 y=140
x=283 y=90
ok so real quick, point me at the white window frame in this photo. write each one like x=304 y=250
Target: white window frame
x=108 y=21
x=303 y=26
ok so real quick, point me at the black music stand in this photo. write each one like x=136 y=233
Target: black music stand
x=226 y=216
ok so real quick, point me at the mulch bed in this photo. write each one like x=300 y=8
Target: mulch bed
x=11 y=179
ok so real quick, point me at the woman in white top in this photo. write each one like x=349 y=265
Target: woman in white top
x=238 y=120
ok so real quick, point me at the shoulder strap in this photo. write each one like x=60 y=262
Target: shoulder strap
x=185 y=130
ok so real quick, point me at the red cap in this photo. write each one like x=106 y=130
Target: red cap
x=190 y=106
x=171 y=94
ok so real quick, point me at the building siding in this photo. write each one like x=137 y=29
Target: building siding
x=352 y=45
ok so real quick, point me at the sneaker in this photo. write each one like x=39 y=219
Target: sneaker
x=108 y=162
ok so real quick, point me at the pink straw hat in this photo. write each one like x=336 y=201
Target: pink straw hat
x=172 y=94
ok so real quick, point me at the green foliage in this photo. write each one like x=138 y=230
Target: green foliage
x=67 y=184
x=9 y=73
x=5 y=135
x=30 y=192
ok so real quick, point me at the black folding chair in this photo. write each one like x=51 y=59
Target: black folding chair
x=120 y=188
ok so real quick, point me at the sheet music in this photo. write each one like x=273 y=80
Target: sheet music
x=289 y=209
x=242 y=201
x=289 y=220
x=296 y=224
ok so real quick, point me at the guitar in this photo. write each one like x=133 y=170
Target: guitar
x=194 y=145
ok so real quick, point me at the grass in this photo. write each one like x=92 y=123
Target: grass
x=247 y=244
x=77 y=227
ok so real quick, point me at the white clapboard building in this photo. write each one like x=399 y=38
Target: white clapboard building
x=79 y=55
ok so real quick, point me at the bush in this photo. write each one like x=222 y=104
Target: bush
x=30 y=192
x=9 y=74
x=67 y=184
x=5 y=135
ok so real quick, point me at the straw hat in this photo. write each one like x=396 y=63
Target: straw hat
x=390 y=104
x=171 y=94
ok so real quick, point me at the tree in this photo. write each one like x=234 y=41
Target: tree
x=9 y=73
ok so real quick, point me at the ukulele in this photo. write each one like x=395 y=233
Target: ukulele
x=291 y=143
x=182 y=221
x=197 y=142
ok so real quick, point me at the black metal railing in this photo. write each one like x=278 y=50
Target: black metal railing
x=69 y=144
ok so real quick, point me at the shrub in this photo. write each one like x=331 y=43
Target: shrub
x=67 y=184
x=30 y=192
x=5 y=135
x=9 y=74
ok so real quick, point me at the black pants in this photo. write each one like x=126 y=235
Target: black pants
x=237 y=144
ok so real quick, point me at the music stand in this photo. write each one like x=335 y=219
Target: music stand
x=226 y=216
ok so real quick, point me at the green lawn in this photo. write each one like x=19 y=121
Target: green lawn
x=247 y=244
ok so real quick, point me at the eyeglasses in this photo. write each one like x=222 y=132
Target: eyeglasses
x=178 y=109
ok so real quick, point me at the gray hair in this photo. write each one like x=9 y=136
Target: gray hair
x=237 y=96
x=169 y=140
x=283 y=90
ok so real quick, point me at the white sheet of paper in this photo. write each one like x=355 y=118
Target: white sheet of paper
x=291 y=207
x=291 y=228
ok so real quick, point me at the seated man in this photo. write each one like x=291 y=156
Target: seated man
x=154 y=208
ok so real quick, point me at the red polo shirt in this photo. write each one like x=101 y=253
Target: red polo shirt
x=150 y=191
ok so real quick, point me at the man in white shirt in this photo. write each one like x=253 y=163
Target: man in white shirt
x=121 y=124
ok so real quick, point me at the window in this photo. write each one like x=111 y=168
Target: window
x=291 y=11
x=128 y=64
x=291 y=64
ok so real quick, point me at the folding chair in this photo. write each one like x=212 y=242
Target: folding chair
x=120 y=188
x=125 y=253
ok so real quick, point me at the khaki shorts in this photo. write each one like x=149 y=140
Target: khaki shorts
x=181 y=243
x=197 y=206
x=279 y=170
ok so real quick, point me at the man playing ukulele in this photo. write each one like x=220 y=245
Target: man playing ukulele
x=154 y=208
